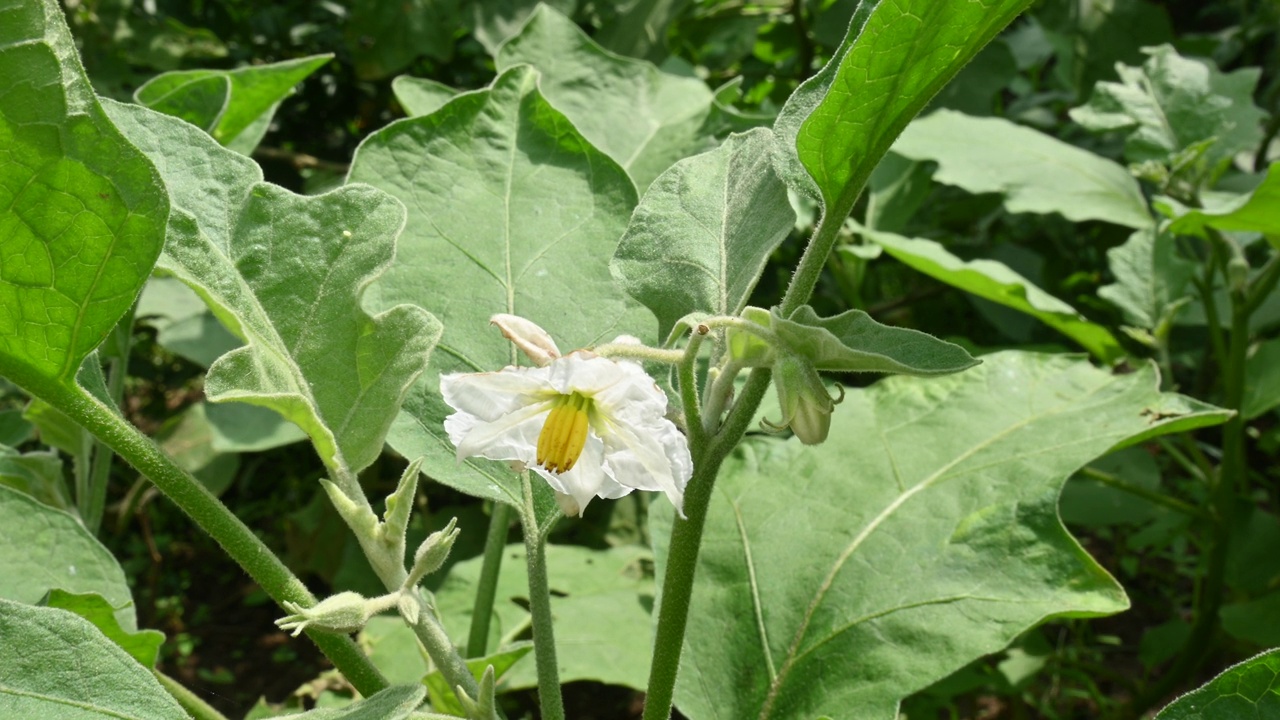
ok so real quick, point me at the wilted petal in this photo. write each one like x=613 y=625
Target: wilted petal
x=532 y=340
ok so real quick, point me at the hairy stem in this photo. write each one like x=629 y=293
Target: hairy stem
x=482 y=611
x=544 y=640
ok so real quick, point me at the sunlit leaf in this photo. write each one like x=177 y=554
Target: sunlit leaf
x=1248 y=690
x=510 y=211
x=1150 y=277
x=894 y=554
x=286 y=274
x=420 y=96
x=1257 y=211
x=853 y=342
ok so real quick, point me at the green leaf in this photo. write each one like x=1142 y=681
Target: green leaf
x=640 y=116
x=392 y=703
x=239 y=428
x=286 y=274
x=1262 y=379
x=43 y=548
x=420 y=96
x=1035 y=172
x=384 y=37
x=38 y=474
x=187 y=438
x=1258 y=211
x=1248 y=690
x=700 y=237
x=1256 y=621
x=14 y=428
x=83 y=211
x=494 y=21
x=1150 y=277
x=997 y=283
x=510 y=211
x=604 y=597
x=183 y=323
x=638 y=28
x=55 y=664
x=1172 y=103
x=1089 y=503
x=894 y=554
x=142 y=645
x=853 y=342
x=895 y=57
x=234 y=106
x=442 y=696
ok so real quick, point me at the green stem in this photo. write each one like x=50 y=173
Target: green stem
x=211 y=515
x=686 y=539
x=544 y=640
x=440 y=648
x=494 y=545
x=117 y=347
x=1201 y=473
x=1263 y=283
x=195 y=706
x=1149 y=495
x=1231 y=483
x=718 y=396
x=814 y=259
x=686 y=377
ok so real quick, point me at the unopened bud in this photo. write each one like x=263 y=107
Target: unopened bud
x=806 y=404
x=432 y=553
x=346 y=612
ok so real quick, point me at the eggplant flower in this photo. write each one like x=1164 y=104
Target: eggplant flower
x=588 y=425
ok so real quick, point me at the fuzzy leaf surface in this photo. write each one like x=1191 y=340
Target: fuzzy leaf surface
x=640 y=116
x=701 y=235
x=421 y=96
x=893 y=555
x=1248 y=690
x=142 y=645
x=1150 y=277
x=853 y=342
x=56 y=664
x=1035 y=172
x=512 y=211
x=82 y=212
x=286 y=274
x=996 y=282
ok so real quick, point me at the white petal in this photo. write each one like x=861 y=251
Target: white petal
x=491 y=395
x=648 y=454
x=513 y=436
x=632 y=393
x=584 y=481
x=532 y=340
x=585 y=373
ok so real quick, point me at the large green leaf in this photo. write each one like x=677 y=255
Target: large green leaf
x=420 y=96
x=510 y=211
x=700 y=237
x=142 y=645
x=996 y=282
x=894 y=554
x=1172 y=103
x=1248 y=690
x=1150 y=277
x=286 y=274
x=1258 y=211
x=895 y=57
x=640 y=116
x=493 y=21
x=601 y=599
x=392 y=703
x=82 y=212
x=1035 y=172
x=234 y=106
x=42 y=549
x=853 y=342
x=38 y=474
x=55 y=664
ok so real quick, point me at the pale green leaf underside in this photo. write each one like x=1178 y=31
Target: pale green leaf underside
x=701 y=235
x=996 y=282
x=640 y=116
x=1150 y=276
x=892 y=555
x=55 y=664
x=895 y=57
x=286 y=274
x=392 y=703
x=1248 y=690
x=82 y=213
x=510 y=211
x=1035 y=172
x=42 y=548
x=230 y=105
x=853 y=342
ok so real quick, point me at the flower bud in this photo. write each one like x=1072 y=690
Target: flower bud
x=345 y=612
x=806 y=404
x=432 y=553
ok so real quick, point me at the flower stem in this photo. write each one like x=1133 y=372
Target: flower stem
x=211 y=515
x=633 y=351
x=686 y=539
x=544 y=640
x=494 y=545
x=195 y=706
x=686 y=377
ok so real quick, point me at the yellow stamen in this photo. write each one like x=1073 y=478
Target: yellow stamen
x=564 y=434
